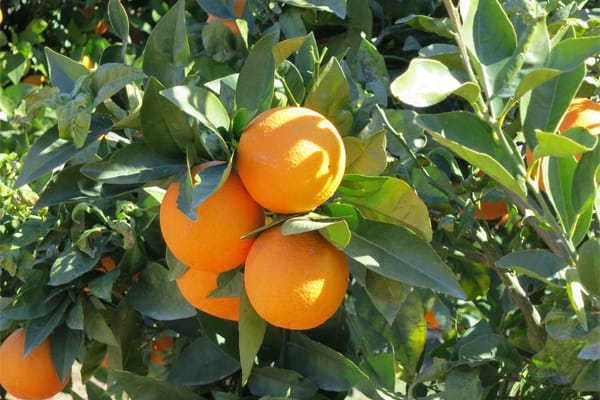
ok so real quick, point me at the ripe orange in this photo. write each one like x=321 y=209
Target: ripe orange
x=295 y=281
x=432 y=322
x=490 y=210
x=212 y=242
x=581 y=112
x=159 y=346
x=33 y=377
x=195 y=285
x=35 y=79
x=238 y=8
x=291 y=159
x=101 y=27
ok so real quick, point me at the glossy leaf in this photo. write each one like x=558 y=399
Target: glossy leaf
x=588 y=265
x=201 y=363
x=65 y=346
x=63 y=71
x=40 y=328
x=387 y=294
x=330 y=91
x=282 y=50
x=252 y=332
x=72 y=262
x=110 y=78
x=399 y=254
x=117 y=16
x=427 y=82
x=571 y=53
x=328 y=369
x=472 y=139
x=256 y=81
x=537 y=263
x=149 y=388
x=387 y=199
x=280 y=382
x=367 y=157
x=164 y=125
x=167 y=49
x=585 y=187
x=136 y=163
x=157 y=297
x=49 y=151
x=572 y=142
x=96 y=326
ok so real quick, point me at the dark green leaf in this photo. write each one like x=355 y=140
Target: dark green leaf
x=30 y=303
x=539 y=264
x=281 y=383
x=95 y=325
x=40 y=328
x=65 y=347
x=571 y=53
x=588 y=265
x=587 y=380
x=49 y=151
x=157 y=297
x=164 y=125
x=399 y=254
x=206 y=183
x=102 y=286
x=584 y=188
x=149 y=388
x=558 y=176
x=252 y=332
x=63 y=71
x=74 y=318
x=338 y=7
x=464 y=383
x=201 y=363
x=110 y=78
x=328 y=369
x=136 y=163
x=167 y=50
x=72 y=262
x=387 y=294
x=256 y=81
x=490 y=348
x=117 y=16
x=572 y=142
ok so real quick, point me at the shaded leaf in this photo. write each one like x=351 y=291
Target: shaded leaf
x=110 y=78
x=65 y=347
x=63 y=71
x=366 y=157
x=280 y=382
x=117 y=17
x=539 y=264
x=149 y=388
x=252 y=332
x=588 y=265
x=40 y=328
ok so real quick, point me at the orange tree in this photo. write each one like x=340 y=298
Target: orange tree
x=436 y=104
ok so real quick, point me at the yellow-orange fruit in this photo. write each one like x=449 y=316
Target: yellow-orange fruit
x=291 y=159
x=159 y=346
x=295 y=281
x=101 y=27
x=30 y=378
x=212 y=242
x=35 y=79
x=195 y=285
x=490 y=210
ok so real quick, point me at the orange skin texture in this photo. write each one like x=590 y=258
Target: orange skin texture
x=295 y=281
x=35 y=80
x=195 y=285
x=33 y=377
x=581 y=112
x=160 y=345
x=101 y=28
x=291 y=159
x=212 y=242
x=238 y=8
x=490 y=210
x=432 y=323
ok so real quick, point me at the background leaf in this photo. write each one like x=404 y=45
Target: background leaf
x=149 y=388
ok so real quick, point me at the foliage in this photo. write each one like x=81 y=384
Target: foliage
x=437 y=104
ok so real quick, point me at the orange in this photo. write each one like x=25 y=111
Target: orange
x=87 y=61
x=490 y=210
x=34 y=79
x=101 y=27
x=195 y=285
x=291 y=159
x=238 y=8
x=33 y=377
x=432 y=322
x=295 y=281
x=159 y=346
x=212 y=242
x=581 y=112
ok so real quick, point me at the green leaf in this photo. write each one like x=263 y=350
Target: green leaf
x=252 y=332
x=537 y=263
x=135 y=163
x=206 y=183
x=110 y=78
x=399 y=254
x=65 y=347
x=102 y=286
x=30 y=303
x=558 y=174
x=117 y=17
x=543 y=108
x=96 y=326
x=327 y=368
x=40 y=328
x=201 y=104
x=72 y=262
x=427 y=82
x=282 y=50
x=157 y=297
x=148 y=388
x=490 y=348
x=366 y=157
x=164 y=124
x=387 y=199
x=585 y=187
x=167 y=50
x=387 y=294
x=408 y=334
x=75 y=119
x=473 y=139
x=256 y=81
x=74 y=317
x=63 y=71
x=338 y=7
x=588 y=265
x=70 y=185
x=272 y=381
x=571 y=53
x=202 y=362
x=49 y=151
x=587 y=380
x=572 y=142
x=464 y=383
x=329 y=93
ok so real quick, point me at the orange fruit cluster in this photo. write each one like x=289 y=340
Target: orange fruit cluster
x=32 y=377
x=288 y=160
x=582 y=112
